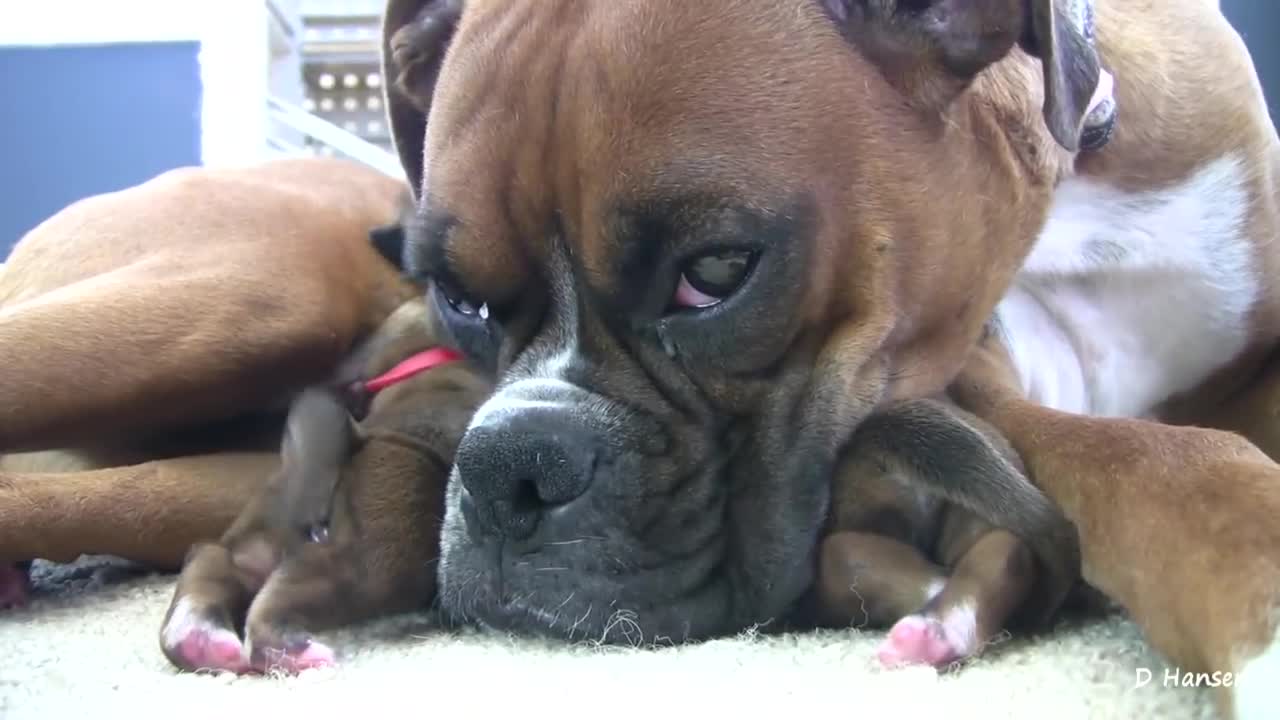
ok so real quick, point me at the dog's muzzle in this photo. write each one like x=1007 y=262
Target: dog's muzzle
x=523 y=466
x=529 y=455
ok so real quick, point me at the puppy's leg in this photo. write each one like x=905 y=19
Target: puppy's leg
x=871 y=580
x=377 y=557
x=313 y=590
x=150 y=513
x=209 y=603
x=1177 y=524
x=202 y=628
x=323 y=587
x=991 y=579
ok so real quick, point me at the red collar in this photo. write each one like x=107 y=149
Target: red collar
x=420 y=362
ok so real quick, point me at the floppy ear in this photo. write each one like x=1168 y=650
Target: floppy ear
x=415 y=35
x=320 y=436
x=1061 y=35
x=933 y=49
x=388 y=240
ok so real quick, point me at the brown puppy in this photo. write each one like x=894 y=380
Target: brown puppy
x=948 y=562
x=347 y=529
x=151 y=341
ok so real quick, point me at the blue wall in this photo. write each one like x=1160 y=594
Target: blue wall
x=1258 y=21
x=81 y=120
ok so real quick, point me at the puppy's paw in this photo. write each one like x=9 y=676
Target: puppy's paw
x=926 y=640
x=288 y=652
x=199 y=640
x=13 y=587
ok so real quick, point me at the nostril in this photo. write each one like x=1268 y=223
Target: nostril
x=526 y=499
x=514 y=473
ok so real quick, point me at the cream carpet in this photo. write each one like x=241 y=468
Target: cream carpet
x=87 y=647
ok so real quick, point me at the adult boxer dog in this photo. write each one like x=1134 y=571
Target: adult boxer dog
x=151 y=340
x=702 y=241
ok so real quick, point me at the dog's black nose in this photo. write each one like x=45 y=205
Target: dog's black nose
x=518 y=468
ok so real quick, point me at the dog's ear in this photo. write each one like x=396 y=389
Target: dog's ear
x=320 y=436
x=932 y=49
x=415 y=36
x=388 y=240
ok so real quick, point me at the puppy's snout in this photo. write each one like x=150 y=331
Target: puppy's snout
x=517 y=469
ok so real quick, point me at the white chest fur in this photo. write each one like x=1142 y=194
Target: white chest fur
x=1127 y=299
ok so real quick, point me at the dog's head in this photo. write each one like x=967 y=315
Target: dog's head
x=698 y=242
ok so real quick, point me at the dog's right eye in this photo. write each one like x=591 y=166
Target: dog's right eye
x=710 y=278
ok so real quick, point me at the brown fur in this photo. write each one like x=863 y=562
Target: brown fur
x=931 y=191
x=349 y=527
x=152 y=337
x=928 y=499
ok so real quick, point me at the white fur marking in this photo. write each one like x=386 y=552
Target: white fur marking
x=933 y=590
x=524 y=395
x=1127 y=299
x=181 y=623
x=1257 y=687
x=960 y=628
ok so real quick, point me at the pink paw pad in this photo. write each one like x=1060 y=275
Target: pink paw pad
x=13 y=587
x=208 y=649
x=294 y=657
x=918 y=640
x=196 y=644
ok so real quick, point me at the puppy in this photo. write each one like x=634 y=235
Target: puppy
x=349 y=527
x=950 y=563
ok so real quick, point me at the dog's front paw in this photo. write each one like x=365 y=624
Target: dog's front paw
x=202 y=639
x=927 y=640
x=274 y=649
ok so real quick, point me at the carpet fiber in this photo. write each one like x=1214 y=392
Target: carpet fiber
x=87 y=646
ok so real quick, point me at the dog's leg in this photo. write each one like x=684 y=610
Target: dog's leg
x=866 y=579
x=147 y=348
x=209 y=603
x=149 y=513
x=324 y=586
x=312 y=591
x=1253 y=412
x=991 y=579
x=1177 y=524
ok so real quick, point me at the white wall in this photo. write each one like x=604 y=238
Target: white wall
x=234 y=54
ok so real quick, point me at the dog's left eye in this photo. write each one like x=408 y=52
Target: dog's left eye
x=709 y=279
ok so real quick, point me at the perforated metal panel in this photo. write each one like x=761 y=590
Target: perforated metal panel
x=340 y=68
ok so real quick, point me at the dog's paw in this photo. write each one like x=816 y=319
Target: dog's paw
x=13 y=587
x=926 y=640
x=287 y=652
x=197 y=641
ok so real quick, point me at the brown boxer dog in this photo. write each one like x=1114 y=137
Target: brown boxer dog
x=947 y=570
x=152 y=339
x=348 y=528
x=701 y=242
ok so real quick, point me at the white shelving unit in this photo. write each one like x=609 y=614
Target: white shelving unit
x=278 y=76
x=326 y=82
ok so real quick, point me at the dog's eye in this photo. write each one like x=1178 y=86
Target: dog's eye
x=464 y=306
x=708 y=279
